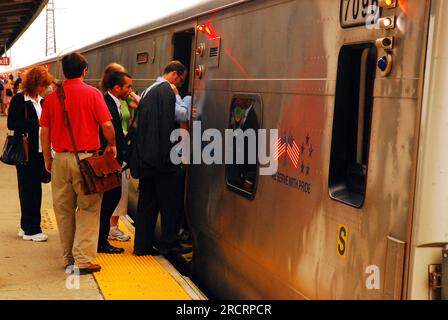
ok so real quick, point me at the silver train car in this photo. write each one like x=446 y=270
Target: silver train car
x=357 y=208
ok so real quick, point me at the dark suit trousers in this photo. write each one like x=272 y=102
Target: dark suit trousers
x=110 y=201
x=158 y=192
x=30 y=194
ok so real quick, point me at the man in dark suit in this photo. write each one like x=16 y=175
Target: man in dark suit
x=119 y=87
x=160 y=180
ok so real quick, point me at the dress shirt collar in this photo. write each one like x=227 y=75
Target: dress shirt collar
x=28 y=98
x=161 y=79
x=117 y=102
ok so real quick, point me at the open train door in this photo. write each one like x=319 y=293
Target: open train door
x=184 y=43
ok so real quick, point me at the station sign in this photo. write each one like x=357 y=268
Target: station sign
x=5 y=61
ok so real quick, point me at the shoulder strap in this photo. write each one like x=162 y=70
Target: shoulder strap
x=61 y=96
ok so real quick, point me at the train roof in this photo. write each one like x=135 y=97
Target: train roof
x=203 y=8
x=198 y=10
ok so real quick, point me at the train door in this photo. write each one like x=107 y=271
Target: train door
x=183 y=47
x=374 y=147
x=183 y=44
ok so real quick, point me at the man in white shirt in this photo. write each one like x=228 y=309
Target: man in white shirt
x=120 y=86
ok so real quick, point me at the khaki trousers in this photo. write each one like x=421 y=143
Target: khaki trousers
x=77 y=215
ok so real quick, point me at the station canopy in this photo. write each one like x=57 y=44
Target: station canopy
x=15 y=17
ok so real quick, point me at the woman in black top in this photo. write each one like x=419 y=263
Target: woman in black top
x=23 y=118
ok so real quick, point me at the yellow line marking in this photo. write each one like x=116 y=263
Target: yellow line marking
x=127 y=277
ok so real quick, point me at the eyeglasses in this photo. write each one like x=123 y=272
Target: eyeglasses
x=181 y=77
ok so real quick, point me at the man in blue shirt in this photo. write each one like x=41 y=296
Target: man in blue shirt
x=182 y=107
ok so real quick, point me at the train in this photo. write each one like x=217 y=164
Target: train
x=355 y=88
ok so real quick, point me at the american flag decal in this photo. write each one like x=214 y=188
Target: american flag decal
x=280 y=147
x=288 y=146
x=293 y=151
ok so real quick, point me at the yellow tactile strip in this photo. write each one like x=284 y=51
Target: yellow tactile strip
x=48 y=220
x=127 y=277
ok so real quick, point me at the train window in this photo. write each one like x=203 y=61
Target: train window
x=352 y=123
x=245 y=119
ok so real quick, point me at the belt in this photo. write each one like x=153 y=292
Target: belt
x=80 y=151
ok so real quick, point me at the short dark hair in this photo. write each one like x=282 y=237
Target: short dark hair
x=175 y=66
x=73 y=65
x=116 y=77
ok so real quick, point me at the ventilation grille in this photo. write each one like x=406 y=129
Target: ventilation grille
x=214 y=52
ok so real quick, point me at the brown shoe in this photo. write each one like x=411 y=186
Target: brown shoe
x=90 y=269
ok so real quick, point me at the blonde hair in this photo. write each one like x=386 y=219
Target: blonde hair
x=112 y=67
x=35 y=78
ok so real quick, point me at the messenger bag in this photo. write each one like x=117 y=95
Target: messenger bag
x=100 y=173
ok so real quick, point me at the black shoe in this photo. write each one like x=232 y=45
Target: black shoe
x=176 y=249
x=110 y=249
x=185 y=237
x=151 y=252
x=90 y=269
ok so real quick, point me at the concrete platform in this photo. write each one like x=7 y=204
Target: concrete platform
x=31 y=271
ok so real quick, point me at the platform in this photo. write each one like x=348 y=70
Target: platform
x=30 y=271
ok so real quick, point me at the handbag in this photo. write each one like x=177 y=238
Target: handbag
x=15 y=149
x=100 y=173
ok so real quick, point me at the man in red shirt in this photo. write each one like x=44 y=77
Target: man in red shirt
x=77 y=215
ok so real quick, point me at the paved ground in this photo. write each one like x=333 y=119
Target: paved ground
x=28 y=270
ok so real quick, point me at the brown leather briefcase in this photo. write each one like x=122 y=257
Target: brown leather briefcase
x=100 y=174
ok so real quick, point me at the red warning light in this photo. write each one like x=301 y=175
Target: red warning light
x=207 y=29
x=388 y=3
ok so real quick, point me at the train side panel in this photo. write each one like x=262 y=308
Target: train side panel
x=284 y=243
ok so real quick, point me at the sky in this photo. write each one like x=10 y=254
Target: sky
x=85 y=21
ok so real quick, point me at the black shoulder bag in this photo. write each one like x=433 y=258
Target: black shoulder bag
x=15 y=149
